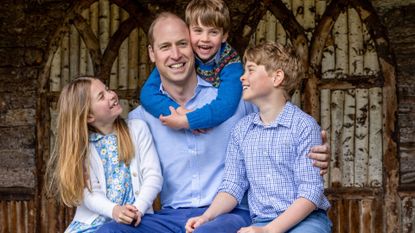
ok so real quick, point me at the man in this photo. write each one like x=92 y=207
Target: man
x=192 y=164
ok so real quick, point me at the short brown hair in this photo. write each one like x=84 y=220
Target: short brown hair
x=275 y=56
x=212 y=13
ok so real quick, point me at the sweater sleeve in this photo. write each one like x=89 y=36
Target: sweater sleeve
x=149 y=167
x=96 y=200
x=226 y=102
x=152 y=99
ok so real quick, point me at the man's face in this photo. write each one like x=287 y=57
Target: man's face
x=172 y=51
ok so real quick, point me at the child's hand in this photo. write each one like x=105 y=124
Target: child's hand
x=137 y=220
x=125 y=214
x=195 y=222
x=175 y=120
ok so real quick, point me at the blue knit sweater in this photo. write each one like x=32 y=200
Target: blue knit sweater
x=223 y=71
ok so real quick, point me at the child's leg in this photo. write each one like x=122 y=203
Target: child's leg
x=316 y=222
x=230 y=222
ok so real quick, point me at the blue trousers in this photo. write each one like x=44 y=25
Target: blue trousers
x=173 y=220
x=316 y=222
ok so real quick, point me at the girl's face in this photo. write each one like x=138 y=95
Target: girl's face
x=104 y=107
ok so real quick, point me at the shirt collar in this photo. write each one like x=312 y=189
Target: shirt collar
x=200 y=84
x=284 y=118
x=95 y=137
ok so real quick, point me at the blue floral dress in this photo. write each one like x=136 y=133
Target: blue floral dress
x=118 y=179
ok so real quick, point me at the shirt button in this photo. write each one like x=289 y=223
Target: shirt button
x=136 y=193
x=134 y=174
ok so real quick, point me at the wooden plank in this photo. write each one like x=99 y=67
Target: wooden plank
x=73 y=52
x=325 y=122
x=309 y=18
x=260 y=35
x=408 y=214
x=366 y=219
x=115 y=22
x=55 y=72
x=375 y=137
x=65 y=74
x=355 y=43
x=370 y=58
x=361 y=138
x=341 y=44
x=347 y=138
x=354 y=216
x=133 y=60
x=123 y=59
x=104 y=24
x=337 y=113
x=93 y=21
x=271 y=27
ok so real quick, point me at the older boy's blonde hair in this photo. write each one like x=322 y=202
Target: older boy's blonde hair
x=212 y=13
x=67 y=172
x=275 y=56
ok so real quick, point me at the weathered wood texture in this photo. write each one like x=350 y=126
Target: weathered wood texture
x=350 y=89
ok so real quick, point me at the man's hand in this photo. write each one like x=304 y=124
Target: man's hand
x=126 y=214
x=195 y=222
x=321 y=155
x=175 y=120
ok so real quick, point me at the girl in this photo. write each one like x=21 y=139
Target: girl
x=107 y=169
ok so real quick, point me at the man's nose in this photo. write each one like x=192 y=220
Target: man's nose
x=175 y=53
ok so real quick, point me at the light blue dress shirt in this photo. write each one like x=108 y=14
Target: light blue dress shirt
x=192 y=164
x=271 y=162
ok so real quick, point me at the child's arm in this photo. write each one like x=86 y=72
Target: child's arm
x=226 y=102
x=148 y=164
x=152 y=100
x=223 y=203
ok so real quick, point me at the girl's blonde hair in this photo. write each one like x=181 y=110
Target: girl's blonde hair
x=68 y=169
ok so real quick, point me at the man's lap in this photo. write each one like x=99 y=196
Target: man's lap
x=174 y=220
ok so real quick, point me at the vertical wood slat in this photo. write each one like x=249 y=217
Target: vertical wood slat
x=103 y=24
x=93 y=21
x=366 y=218
x=375 y=137
x=337 y=112
x=123 y=59
x=55 y=71
x=83 y=51
x=260 y=33
x=325 y=122
x=271 y=26
x=341 y=44
x=133 y=60
x=361 y=138
x=370 y=57
x=408 y=214
x=355 y=43
x=73 y=52
x=309 y=18
x=65 y=74
x=143 y=60
x=347 y=137
x=115 y=22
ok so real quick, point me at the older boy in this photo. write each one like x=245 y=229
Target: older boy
x=267 y=153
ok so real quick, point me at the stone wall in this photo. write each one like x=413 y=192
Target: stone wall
x=24 y=35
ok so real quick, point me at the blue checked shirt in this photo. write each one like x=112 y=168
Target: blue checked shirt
x=270 y=161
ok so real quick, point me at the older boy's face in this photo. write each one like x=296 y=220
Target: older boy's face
x=256 y=82
x=206 y=40
x=171 y=50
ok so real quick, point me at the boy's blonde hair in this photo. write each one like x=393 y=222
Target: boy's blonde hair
x=213 y=13
x=68 y=166
x=275 y=56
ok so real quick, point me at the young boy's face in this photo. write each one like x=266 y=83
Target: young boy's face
x=256 y=82
x=206 y=40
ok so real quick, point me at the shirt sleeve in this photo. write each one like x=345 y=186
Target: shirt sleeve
x=226 y=102
x=152 y=99
x=306 y=176
x=234 y=181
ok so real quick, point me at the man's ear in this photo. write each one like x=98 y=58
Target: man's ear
x=151 y=53
x=277 y=77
